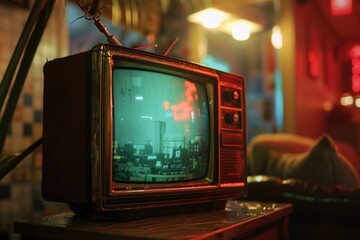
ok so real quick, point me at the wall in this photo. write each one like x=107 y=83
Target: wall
x=20 y=195
x=317 y=69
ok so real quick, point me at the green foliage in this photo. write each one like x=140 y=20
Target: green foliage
x=24 y=50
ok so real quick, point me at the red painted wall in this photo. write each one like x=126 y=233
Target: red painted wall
x=317 y=69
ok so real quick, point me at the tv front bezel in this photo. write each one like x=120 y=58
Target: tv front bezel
x=112 y=60
x=77 y=136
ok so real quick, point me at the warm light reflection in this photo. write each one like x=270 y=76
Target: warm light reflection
x=328 y=106
x=355 y=68
x=341 y=7
x=357 y=101
x=276 y=37
x=184 y=109
x=241 y=25
x=241 y=31
x=210 y=18
x=314 y=63
x=212 y=22
x=355 y=51
x=213 y=18
x=346 y=99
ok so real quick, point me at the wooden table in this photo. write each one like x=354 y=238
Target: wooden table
x=239 y=219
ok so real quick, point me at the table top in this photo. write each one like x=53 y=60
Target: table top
x=236 y=220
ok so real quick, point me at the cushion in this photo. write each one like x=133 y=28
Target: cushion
x=321 y=163
x=350 y=152
x=260 y=145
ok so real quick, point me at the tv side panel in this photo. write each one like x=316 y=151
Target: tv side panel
x=66 y=128
x=232 y=130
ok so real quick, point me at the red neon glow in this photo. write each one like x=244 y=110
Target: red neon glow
x=355 y=51
x=184 y=109
x=341 y=7
x=355 y=70
x=314 y=64
x=166 y=105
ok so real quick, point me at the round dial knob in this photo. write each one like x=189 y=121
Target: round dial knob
x=232 y=118
x=231 y=95
x=235 y=117
x=234 y=95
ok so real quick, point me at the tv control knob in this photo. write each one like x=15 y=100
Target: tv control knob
x=235 y=117
x=231 y=95
x=232 y=118
x=235 y=95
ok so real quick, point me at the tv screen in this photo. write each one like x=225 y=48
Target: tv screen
x=160 y=127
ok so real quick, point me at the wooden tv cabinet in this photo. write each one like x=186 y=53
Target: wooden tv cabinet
x=239 y=219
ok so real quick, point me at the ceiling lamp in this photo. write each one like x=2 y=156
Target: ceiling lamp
x=241 y=32
x=241 y=29
x=276 y=37
x=210 y=18
x=213 y=18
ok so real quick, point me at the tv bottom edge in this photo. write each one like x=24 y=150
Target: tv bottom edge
x=136 y=213
x=137 y=210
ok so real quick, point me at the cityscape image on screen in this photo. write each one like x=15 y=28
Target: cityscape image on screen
x=160 y=127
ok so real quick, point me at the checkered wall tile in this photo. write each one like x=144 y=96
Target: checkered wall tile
x=20 y=193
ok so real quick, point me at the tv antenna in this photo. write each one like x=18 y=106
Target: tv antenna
x=171 y=46
x=92 y=13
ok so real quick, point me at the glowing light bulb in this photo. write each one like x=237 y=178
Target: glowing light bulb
x=212 y=19
x=241 y=31
x=211 y=23
x=276 y=37
x=357 y=102
x=346 y=99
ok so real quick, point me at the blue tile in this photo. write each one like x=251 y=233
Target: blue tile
x=5 y=191
x=28 y=130
x=28 y=100
x=37 y=116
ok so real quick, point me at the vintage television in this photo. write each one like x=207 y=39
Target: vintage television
x=128 y=131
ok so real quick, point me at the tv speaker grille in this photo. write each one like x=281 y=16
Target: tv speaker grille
x=232 y=166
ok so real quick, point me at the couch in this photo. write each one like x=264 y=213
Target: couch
x=320 y=177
